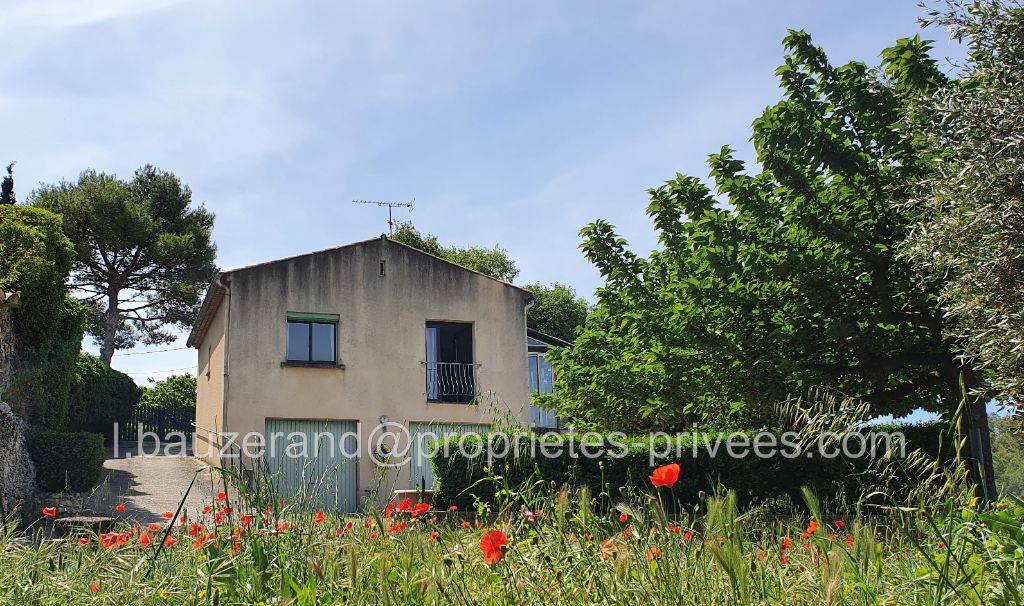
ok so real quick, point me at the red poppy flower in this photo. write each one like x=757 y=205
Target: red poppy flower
x=109 y=539
x=373 y=535
x=144 y=539
x=207 y=509
x=170 y=541
x=50 y=512
x=220 y=498
x=493 y=545
x=434 y=535
x=246 y=520
x=388 y=510
x=283 y=526
x=452 y=508
x=622 y=518
x=399 y=527
x=168 y=515
x=405 y=505
x=154 y=527
x=786 y=543
x=348 y=526
x=466 y=524
x=653 y=553
x=849 y=541
x=368 y=523
x=840 y=523
x=320 y=516
x=83 y=540
x=687 y=535
x=420 y=508
x=94 y=587
x=666 y=475
x=119 y=507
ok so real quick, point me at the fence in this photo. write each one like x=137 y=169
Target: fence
x=160 y=420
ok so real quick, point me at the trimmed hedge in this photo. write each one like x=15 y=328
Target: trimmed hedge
x=774 y=481
x=66 y=460
x=101 y=397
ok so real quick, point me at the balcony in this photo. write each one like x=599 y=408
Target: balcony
x=451 y=382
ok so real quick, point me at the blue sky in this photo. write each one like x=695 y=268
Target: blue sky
x=509 y=123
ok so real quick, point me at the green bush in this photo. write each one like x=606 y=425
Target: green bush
x=101 y=397
x=176 y=391
x=775 y=481
x=66 y=460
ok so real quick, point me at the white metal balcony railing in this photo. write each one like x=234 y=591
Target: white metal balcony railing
x=451 y=382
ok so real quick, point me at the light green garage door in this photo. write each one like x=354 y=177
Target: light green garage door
x=315 y=463
x=421 y=472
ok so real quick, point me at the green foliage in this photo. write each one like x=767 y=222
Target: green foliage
x=969 y=237
x=774 y=482
x=1008 y=456
x=493 y=262
x=775 y=282
x=64 y=460
x=556 y=310
x=172 y=392
x=35 y=258
x=101 y=397
x=144 y=255
x=7 y=187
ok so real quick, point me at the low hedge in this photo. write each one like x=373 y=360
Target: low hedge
x=70 y=461
x=776 y=481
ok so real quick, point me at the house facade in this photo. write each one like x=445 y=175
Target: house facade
x=341 y=342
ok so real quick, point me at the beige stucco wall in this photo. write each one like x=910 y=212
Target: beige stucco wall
x=210 y=389
x=381 y=342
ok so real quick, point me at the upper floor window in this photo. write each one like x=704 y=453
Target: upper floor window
x=451 y=373
x=541 y=375
x=312 y=338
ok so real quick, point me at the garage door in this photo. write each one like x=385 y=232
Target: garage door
x=421 y=472
x=315 y=463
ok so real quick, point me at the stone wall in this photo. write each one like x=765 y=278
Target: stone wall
x=16 y=471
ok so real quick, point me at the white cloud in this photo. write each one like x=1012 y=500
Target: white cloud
x=59 y=14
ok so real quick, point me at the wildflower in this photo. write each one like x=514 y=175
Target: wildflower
x=849 y=541
x=399 y=527
x=1000 y=506
x=119 y=507
x=653 y=553
x=194 y=528
x=666 y=475
x=207 y=510
x=529 y=515
x=452 y=508
x=405 y=505
x=144 y=540
x=83 y=540
x=673 y=528
x=687 y=536
x=283 y=526
x=466 y=524
x=434 y=535
x=348 y=526
x=941 y=544
x=50 y=512
x=168 y=515
x=170 y=541
x=220 y=498
x=783 y=559
x=420 y=509
x=109 y=539
x=840 y=524
x=368 y=523
x=388 y=510
x=493 y=544
x=622 y=518
x=246 y=520
x=153 y=527
x=94 y=587
x=373 y=535
x=831 y=536
x=786 y=543
x=320 y=516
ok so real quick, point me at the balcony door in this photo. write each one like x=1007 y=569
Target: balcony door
x=451 y=373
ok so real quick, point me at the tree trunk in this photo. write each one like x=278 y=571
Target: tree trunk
x=109 y=329
x=977 y=448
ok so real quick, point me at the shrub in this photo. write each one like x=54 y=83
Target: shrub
x=774 y=481
x=101 y=397
x=66 y=460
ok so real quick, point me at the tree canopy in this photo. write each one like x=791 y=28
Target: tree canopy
x=175 y=390
x=556 y=310
x=494 y=261
x=969 y=237
x=144 y=253
x=777 y=281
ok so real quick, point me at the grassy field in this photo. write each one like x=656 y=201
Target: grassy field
x=559 y=551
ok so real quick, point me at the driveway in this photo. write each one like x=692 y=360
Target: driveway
x=148 y=485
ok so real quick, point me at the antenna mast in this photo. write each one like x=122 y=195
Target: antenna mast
x=390 y=206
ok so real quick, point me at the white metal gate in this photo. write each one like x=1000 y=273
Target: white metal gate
x=314 y=462
x=422 y=435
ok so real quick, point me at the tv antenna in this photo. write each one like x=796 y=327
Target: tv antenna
x=390 y=206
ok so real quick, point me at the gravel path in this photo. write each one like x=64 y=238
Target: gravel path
x=150 y=485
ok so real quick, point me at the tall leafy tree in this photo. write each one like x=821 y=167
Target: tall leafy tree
x=969 y=238
x=556 y=310
x=494 y=262
x=144 y=253
x=779 y=280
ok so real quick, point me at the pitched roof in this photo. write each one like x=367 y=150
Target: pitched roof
x=215 y=294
